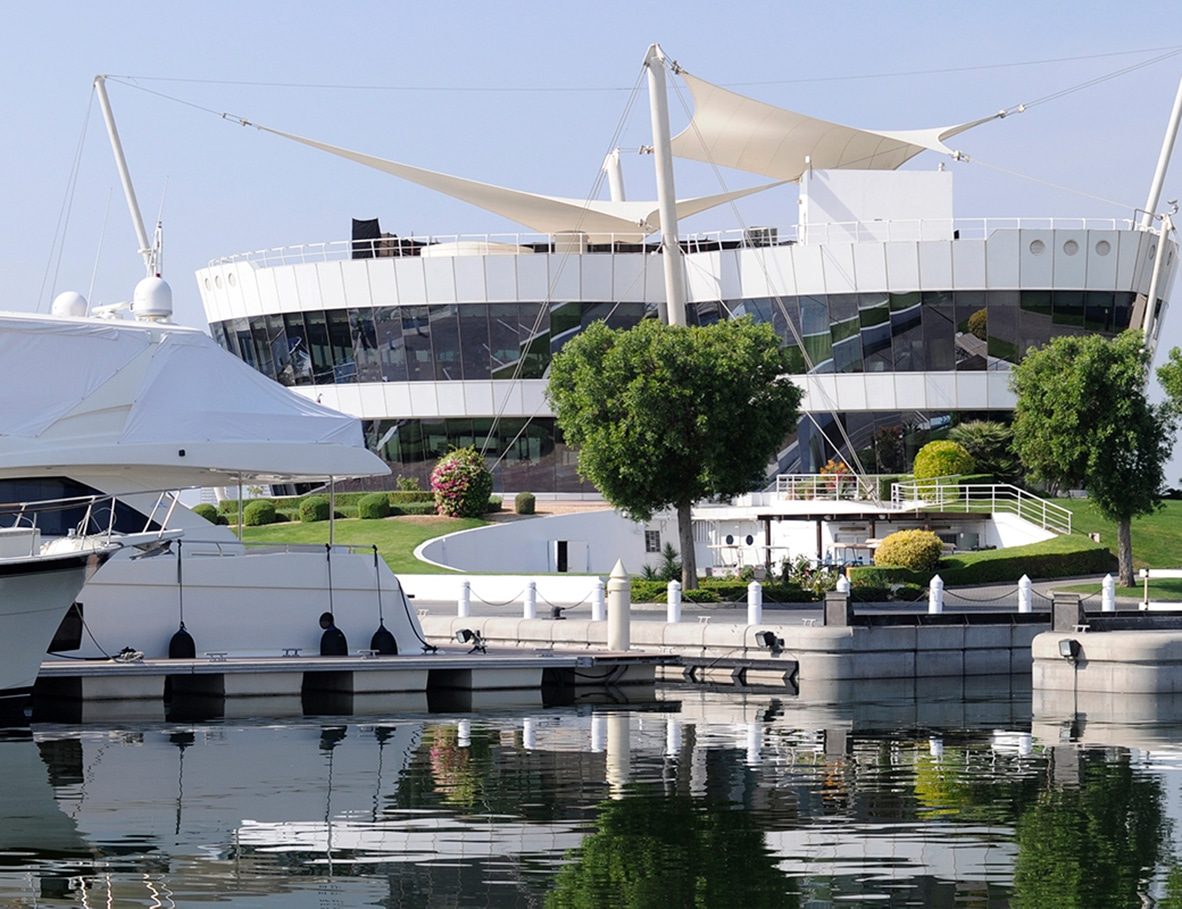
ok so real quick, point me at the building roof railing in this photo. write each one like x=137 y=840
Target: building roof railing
x=745 y=238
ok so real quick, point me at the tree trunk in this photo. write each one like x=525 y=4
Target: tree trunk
x=1124 y=551
x=685 y=537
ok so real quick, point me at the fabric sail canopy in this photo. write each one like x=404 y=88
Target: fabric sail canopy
x=544 y=214
x=732 y=130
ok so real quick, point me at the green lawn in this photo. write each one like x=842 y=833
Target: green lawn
x=1165 y=589
x=396 y=538
x=1157 y=538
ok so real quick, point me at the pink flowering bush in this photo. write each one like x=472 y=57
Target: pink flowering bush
x=461 y=484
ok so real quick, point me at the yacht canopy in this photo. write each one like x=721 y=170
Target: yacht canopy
x=106 y=393
x=545 y=214
x=732 y=130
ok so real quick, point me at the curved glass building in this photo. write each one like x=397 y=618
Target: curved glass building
x=903 y=320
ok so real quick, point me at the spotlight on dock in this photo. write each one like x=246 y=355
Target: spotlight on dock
x=468 y=636
x=769 y=640
x=1069 y=649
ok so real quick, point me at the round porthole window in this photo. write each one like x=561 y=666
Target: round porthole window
x=1071 y=247
x=207 y=283
x=750 y=539
x=1103 y=248
x=1037 y=247
x=217 y=281
x=231 y=279
x=730 y=540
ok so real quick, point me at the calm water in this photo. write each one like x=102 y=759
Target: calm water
x=698 y=798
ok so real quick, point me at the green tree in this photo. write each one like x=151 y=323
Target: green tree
x=665 y=416
x=1083 y=419
x=990 y=444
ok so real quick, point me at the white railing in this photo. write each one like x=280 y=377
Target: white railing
x=756 y=237
x=796 y=487
x=980 y=498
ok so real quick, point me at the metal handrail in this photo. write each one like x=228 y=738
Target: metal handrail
x=934 y=495
x=805 y=486
x=753 y=238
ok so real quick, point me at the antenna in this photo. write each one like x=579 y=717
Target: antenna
x=149 y=252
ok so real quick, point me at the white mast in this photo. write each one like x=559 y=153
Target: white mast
x=1163 y=161
x=674 y=308
x=147 y=251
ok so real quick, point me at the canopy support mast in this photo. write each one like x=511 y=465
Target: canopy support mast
x=673 y=311
x=148 y=251
x=1163 y=162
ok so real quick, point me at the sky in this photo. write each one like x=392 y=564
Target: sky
x=528 y=95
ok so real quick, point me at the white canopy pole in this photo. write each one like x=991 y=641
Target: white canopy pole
x=615 y=175
x=147 y=251
x=1163 y=162
x=674 y=309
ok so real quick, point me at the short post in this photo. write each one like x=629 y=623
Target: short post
x=530 y=601
x=619 y=609
x=673 y=603
x=843 y=584
x=1067 y=612
x=672 y=736
x=598 y=609
x=936 y=596
x=1108 y=594
x=464 y=603
x=754 y=603
x=838 y=612
x=1025 y=594
x=529 y=740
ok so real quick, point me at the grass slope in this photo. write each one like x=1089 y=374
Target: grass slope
x=396 y=538
x=1157 y=538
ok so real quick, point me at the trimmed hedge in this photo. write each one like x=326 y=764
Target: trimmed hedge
x=941 y=458
x=314 y=508
x=918 y=550
x=207 y=511
x=258 y=512
x=373 y=506
x=413 y=508
x=1061 y=557
x=494 y=504
x=524 y=503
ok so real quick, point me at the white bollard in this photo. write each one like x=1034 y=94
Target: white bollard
x=754 y=744
x=936 y=595
x=619 y=609
x=598 y=609
x=464 y=603
x=530 y=601
x=464 y=733
x=843 y=584
x=1025 y=594
x=673 y=603
x=619 y=754
x=672 y=736
x=529 y=737
x=1108 y=594
x=754 y=603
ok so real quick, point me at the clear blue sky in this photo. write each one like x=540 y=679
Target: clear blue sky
x=469 y=106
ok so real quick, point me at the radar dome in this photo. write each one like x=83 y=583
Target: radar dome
x=152 y=300
x=69 y=303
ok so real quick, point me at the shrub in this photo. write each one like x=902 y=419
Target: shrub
x=990 y=444
x=418 y=508
x=523 y=503
x=207 y=511
x=494 y=504
x=941 y=459
x=314 y=508
x=412 y=495
x=645 y=590
x=918 y=550
x=408 y=484
x=258 y=513
x=669 y=568
x=461 y=483
x=978 y=324
x=373 y=506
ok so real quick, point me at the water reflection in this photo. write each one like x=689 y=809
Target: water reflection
x=699 y=798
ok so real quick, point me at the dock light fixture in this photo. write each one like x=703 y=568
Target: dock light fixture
x=468 y=636
x=1069 y=649
x=769 y=640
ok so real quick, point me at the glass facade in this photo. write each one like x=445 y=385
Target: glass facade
x=872 y=332
x=865 y=332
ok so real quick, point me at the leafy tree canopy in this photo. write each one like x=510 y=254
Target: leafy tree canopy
x=990 y=444
x=1169 y=374
x=662 y=415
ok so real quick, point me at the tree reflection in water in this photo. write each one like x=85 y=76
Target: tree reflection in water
x=1095 y=844
x=650 y=851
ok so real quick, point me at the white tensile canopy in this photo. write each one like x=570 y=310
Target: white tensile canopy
x=732 y=130
x=92 y=393
x=600 y=220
